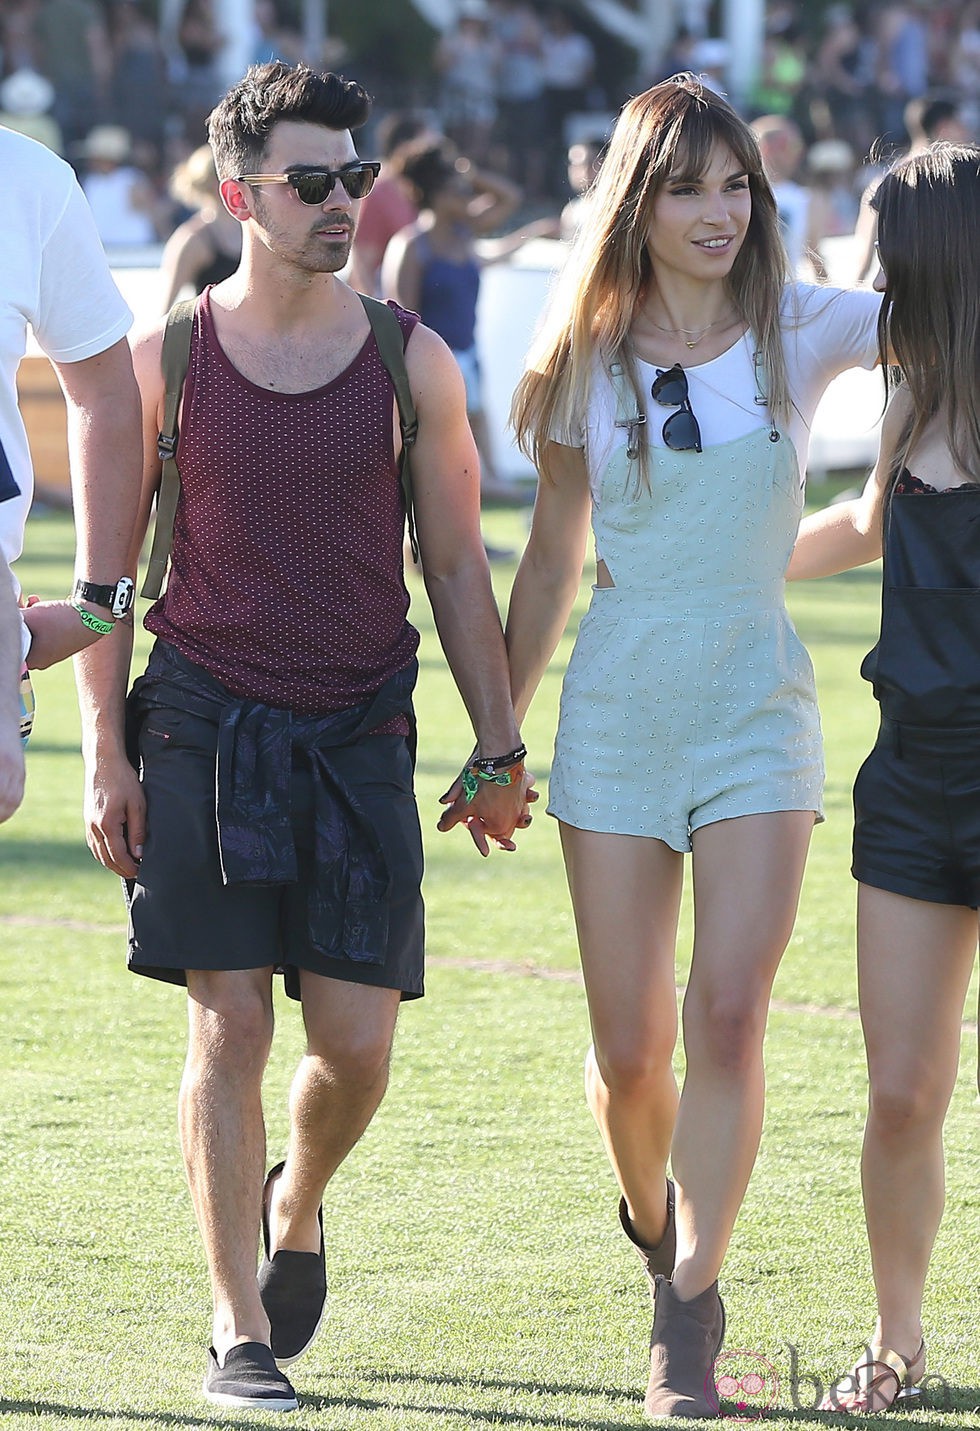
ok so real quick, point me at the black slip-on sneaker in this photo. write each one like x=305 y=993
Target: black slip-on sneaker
x=293 y=1287
x=248 y=1378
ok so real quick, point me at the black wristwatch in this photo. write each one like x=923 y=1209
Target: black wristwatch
x=117 y=599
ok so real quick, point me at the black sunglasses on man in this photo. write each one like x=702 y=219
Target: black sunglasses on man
x=314 y=186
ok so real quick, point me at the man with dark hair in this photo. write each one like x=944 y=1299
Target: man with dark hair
x=933 y=116
x=928 y=117
x=281 y=679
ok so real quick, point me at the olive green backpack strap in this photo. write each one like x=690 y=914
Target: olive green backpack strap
x=173 y=361
x=391 y=345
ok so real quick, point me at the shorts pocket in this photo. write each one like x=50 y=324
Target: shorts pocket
x=167 y=729
x=595 y=640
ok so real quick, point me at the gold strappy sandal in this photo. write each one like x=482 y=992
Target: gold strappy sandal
x=881 y=1380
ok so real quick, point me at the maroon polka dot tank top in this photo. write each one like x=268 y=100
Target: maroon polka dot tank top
x=287 y=580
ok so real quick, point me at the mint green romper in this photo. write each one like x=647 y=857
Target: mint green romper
x=689 y=697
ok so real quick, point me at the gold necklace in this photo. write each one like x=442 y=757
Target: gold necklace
x=686 y=332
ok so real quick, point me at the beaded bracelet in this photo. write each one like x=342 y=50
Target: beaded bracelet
x=94 y=623
x=471 y=778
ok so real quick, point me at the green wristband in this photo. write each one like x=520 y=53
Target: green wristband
x=94 y=623
x=472 y=776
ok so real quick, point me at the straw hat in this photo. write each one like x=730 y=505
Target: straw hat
x=830 y=156
x=109 y=142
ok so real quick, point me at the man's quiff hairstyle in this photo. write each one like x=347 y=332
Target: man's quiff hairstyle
x=240 y=125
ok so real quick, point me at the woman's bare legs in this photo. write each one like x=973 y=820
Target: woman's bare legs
x=626 y=895
x=747 y=878
x=914 y=964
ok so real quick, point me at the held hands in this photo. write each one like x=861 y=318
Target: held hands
x=490 y=811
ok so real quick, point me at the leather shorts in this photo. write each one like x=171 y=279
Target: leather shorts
x=917 y=814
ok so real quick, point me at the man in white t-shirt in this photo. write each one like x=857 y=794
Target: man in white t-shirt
x=781 y=146
x=54 y=279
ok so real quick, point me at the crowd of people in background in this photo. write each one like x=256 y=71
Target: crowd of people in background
x=512 y=83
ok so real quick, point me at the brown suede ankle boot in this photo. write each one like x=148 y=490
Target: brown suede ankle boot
x=657 y=1261
x=684 y=1343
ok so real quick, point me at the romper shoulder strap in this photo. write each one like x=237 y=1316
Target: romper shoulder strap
x=391 y=345
x=628 y=414
x=173 y=360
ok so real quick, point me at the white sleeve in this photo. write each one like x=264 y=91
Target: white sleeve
x=573 y=436
x=80 y=310
x=832 y=329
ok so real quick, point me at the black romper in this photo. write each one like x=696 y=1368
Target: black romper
x=917 y=796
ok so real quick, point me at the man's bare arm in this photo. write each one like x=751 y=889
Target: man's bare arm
x=114 y=805
x=105 y=459
x=446 y=484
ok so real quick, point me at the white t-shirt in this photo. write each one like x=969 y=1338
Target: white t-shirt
x=825 y=331
x=110 y=197
x=54 y=278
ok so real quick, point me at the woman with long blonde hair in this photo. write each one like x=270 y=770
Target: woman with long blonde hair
x=667 y=401
x=917 y=796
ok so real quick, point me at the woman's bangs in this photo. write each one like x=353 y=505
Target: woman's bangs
x=695 y=135
x=687 y=147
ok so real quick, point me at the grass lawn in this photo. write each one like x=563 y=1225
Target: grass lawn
x=478 y=1275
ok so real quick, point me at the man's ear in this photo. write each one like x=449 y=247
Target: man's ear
x=236 y=199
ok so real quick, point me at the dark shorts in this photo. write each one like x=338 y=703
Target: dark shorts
x=182 y=916
x=917 y=815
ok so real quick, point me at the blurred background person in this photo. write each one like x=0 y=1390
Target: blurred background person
x=902 y=64
x=519 y=149
x=433 y=268
x=26 y=99
x=199 y=84
x=782 y=64
x=275 y=38
x=964 y=62
x=391 y=204
x=467 y=58
x=927 y=118
x=73 y=52
x=18 y=35
x=584 y=163
x=711 y=60
x=831 y=169
x=125 y=205
x=207 y=247
x=781 y=146
x=842 y=72
x=139 y=88
x=568 y=66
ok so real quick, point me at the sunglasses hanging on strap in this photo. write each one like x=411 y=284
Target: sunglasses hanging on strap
x=174 y=359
